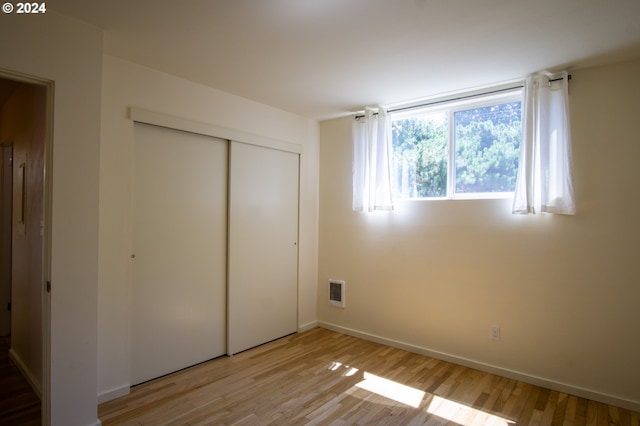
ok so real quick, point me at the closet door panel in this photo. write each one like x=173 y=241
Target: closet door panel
x=263 y=251
x=180 y=243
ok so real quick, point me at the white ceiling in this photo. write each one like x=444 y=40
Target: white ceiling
x=327 y=58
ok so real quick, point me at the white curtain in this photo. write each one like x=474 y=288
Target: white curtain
x=371 y=162
x=544 y=183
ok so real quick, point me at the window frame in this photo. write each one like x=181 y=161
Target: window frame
x=450 y=107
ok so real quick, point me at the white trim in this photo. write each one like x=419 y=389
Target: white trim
x=489 y=368
x=308 y=326
x=113 y=393
x=178 y=123
x=26 y=373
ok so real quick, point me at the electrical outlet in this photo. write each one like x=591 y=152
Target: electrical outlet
x=494 y=334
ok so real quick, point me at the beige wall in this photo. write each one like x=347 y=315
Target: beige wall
x=69 y=53
x=128 y=85
x=435 y=275
x=22 y=123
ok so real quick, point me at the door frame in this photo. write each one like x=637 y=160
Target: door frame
x=46 y=232
x=7 y=185
x=140 y=115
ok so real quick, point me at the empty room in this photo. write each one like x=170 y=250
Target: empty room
x=320 y=212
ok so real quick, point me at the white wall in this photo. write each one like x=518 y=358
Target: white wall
x=69 y=53
x=128 y=85
x=435 y=275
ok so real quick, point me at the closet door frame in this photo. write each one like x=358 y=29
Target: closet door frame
x=141 y=115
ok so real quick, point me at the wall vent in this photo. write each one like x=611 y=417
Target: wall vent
x=336 y=293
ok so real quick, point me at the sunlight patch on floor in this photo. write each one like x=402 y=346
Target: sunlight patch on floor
x=407 y=395
x=335 y=366
x=463 y=414
x=392 y=390
x=350 y=371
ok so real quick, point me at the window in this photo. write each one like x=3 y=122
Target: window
x=460 y=149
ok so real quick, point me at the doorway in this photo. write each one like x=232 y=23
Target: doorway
x=24 y=139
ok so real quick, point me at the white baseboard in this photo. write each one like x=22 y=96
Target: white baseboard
x=33 y=382
x=307 y=327
x=113 y=393
x=493 y=369
x=96 y=423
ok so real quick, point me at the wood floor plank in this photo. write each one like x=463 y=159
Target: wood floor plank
x=318 y=378
x=549 y=410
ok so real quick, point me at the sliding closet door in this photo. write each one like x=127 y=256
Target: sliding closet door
x=180 y=243
x=263 y=252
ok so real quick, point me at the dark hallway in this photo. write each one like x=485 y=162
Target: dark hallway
x=22 y=136
x=19 y=405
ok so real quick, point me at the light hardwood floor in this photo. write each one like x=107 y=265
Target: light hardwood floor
x=324 y=377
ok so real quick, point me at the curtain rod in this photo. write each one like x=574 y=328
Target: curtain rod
x=460 y=98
